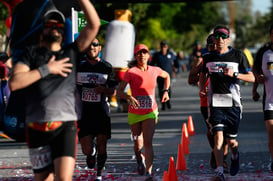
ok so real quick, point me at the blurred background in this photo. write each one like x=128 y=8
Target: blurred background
x=182 y=24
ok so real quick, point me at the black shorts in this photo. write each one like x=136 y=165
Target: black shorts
x=45 y=146
x=268 y=114
x=226 y=120
x=94 y=124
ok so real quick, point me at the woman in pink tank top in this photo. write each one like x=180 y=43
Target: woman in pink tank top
x=143 y=111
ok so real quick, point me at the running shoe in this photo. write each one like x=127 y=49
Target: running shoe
x=219 y=177
x=141 y=165
x=98 y=178
x=149 y=177
x=163 y=108
x=140 y=168
x=212 y=161
x=169 y=106
x=225 y=166
x=91 y=158
x=235 y=165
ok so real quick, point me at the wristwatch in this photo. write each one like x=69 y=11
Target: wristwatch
x=235 y=74
x=166 y=90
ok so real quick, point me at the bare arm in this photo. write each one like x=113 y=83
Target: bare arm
x=89 y=32
x=202 y=82
x=195 y=73
x=259 y=78
x=130 y=99
x=255 y=93
x=248 y=77
x=108 y=91
x=22 y=76
x=167 y=79
x=167 y=83
x=120 y=91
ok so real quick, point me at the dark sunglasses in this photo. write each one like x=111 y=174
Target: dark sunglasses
x=95 y=44
x=223 y=36
x=141 y=52
x=53 y=25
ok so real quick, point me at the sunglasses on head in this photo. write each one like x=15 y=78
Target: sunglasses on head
x=53 y=25
x=95 y=44
x=223 y=36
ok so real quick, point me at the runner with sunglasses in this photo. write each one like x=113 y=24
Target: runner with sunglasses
x=96 y=81
x=225 y=67
x=194 y=79
x=47 y=74
x=143 y=110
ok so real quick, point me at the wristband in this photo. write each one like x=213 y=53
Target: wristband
x=166 y=90
x=44 y=71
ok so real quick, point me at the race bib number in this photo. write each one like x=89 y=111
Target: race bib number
x=89 y=95
x=222 y=100
x=146 y=102
x=40 y=157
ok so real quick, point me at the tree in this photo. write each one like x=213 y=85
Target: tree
x=182 y=23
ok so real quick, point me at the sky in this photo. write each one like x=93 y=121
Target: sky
x=261 y=5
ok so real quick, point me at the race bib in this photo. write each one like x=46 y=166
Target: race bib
x=146 y=102
x=40 y=157
x=222 y=100
x=89 y=95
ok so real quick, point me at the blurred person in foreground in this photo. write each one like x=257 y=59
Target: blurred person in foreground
x=47 y=72
x=194 y=79
x=96 y=80
x=262 y=70
x=4 y=88
x=143 y=111
x=225 y=67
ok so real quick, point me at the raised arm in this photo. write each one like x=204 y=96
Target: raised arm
x=89 y=32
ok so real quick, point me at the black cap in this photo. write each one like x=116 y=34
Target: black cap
x=196 y=43
x=54 y=14
x=163 y=43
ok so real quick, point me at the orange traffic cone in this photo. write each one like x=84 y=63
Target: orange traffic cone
x=5 y=136
x=165 y=176
x=181 y=161
x=172 y=172
x=185 y=144
x=185 y=133
x=190 y=126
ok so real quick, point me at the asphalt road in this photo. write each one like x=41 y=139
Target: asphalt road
x=254 y=155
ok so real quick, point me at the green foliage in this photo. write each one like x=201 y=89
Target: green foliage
x=183 y=23
x=4 y=13
x=154 y=31
x=178 y=23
